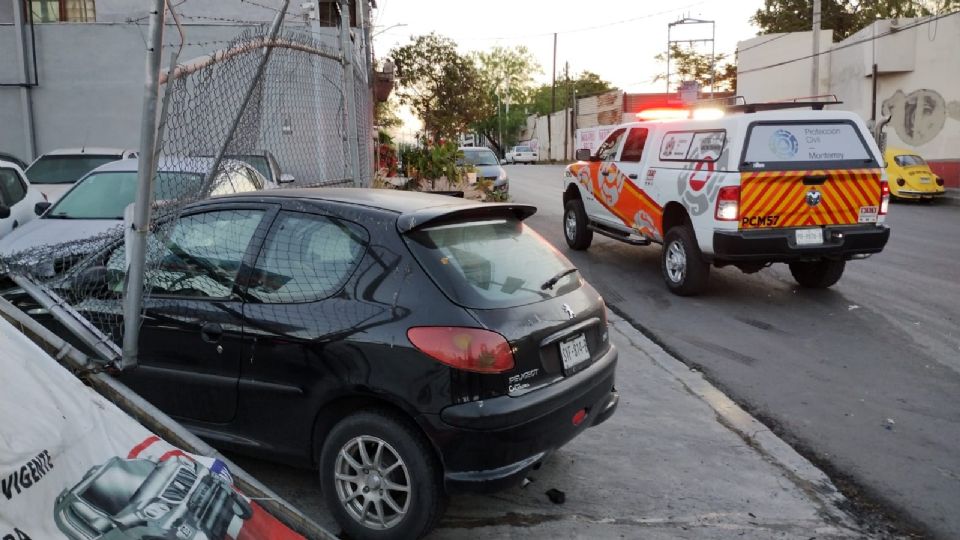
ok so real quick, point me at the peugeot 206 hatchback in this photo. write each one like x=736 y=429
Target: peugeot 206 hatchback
x=407 y=345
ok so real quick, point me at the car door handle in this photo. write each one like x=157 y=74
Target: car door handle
x=211 y=332
x=632 y=176
x=814 y=179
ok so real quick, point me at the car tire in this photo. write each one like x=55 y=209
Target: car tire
x=684 y=269
x=817 y=274
x=405 y=460
x=575 y=229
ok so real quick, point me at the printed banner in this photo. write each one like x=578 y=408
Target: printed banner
x=73 y=465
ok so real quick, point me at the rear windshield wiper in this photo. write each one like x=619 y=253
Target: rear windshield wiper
x=548 y=284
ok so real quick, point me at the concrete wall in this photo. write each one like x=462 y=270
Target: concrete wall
x=918 y=82
x=781 y=82
x=537 y=136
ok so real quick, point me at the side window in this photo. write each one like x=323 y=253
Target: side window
x=12 y=189
x=201 y=257
x=305 y=258
x=633 y=148
x=608 y=150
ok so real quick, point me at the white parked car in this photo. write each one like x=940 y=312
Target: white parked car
x=56 y=171
x=18 y=199
x=96 y=204
x=522 y=154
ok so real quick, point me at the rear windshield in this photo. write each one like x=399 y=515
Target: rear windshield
x=491 y=264
x=64 y=169
x=105 y=195
x=909 y=161
x=523 y=149
x=805 y=146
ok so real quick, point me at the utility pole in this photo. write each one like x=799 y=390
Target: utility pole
x=566 y=108
x=815 y=79
x=349 y=96
x=553 y=100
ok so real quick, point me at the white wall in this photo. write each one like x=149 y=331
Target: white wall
x=757 y=82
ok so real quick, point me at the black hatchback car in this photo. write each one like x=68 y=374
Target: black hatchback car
x=407 y=345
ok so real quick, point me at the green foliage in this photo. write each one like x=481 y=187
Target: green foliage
x=506 y=77
x=431 y=162
x=385 y=114
x=686 y=64
x=844 y=17
x=442 y=87
x=585 y=84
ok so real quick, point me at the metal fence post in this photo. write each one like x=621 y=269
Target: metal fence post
x=349 y=94
x=133 y=294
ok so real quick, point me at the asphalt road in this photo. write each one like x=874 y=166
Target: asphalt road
x=863 y=378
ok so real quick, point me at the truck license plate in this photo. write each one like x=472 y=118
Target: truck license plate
x=807 y=237
x=574 y=352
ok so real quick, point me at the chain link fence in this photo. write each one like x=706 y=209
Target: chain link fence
x=259 y=114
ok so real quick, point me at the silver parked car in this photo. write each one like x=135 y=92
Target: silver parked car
x=488 y=166
x=96 y=204
x=18 y=198
x=57 y=170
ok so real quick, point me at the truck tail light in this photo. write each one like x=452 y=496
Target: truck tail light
x=728 y=204
x=469 y=349
x=884 y=197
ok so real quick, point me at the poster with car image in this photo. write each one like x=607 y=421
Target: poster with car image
x=73 y=465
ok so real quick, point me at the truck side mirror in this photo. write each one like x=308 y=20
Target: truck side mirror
x=583 y=154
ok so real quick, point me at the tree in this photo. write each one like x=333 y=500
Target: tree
x=385 y=114
x=583 y=85
x=441 y=86
x=507 y=79
x=844 y=17
x=690 y=65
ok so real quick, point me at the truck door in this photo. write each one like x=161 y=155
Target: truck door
x=604 y=179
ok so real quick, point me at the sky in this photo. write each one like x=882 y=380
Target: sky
x=617 y=39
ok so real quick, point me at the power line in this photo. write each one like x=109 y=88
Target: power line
x=589 y=28
x=755 y=45
x=851 y=44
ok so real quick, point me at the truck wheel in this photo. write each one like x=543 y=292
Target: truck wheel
x=682 y=264
x=379 y=478
x=575 y=229
x=817 y=274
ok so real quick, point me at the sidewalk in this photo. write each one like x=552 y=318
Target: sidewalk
x=677 y=460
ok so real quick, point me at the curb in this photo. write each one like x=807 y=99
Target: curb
x=811 y=480
x=951 y=198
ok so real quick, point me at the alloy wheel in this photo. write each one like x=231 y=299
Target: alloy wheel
x=372 y=481
x=676 y=262
x=570 y=224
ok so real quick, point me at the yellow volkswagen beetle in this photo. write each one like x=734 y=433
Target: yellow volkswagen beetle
x=910 y=177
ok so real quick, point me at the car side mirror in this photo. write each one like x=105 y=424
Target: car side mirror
x=583 y=154
x=4 y=211
x=41 y=207
x=287 y=178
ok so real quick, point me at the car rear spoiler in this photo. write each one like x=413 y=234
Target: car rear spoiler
x=438 y=215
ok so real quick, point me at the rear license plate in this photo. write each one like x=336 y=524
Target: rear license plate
x=574 y=352
x=924 y=179
x=808 y=237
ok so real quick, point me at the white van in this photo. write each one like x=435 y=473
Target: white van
x=754 y=185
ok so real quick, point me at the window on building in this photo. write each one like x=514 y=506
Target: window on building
x=62 y=10
x=328 y=13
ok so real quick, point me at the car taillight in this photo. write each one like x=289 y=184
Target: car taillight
x=884 y=197
x=939 y=181
x=901 y=182
x=728 y=204
x=469 y=349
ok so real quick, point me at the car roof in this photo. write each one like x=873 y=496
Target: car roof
x=199 y=165
x=92 y=150
x=416 y=209
x=10 y=165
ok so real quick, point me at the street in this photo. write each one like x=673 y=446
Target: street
x=862 y=378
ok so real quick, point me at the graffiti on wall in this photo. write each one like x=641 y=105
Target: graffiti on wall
x=919 y=116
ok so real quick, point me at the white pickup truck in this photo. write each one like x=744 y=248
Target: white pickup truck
x=751 y=186
x=521 y=154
